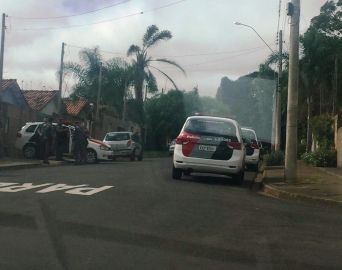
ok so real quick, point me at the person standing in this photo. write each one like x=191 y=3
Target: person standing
x=45 y=133
x=60 y=140
x=80 y=140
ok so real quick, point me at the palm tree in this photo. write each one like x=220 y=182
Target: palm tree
x=115 y=78
x=143 y=63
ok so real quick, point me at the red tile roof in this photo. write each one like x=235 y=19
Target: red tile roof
x=74 y=107
x=38 y=99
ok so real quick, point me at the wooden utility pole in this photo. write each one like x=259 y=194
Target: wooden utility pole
x=61 y=71
x=335 y=86
x=97 y=118
x=3 y=28
x=292 y=101
x=278 y=94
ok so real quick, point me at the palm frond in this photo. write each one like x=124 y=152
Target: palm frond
x=151 y=82
x=75 y=69
x=162 y=35
x=151 y=30
x=164 y=60
x=167 y=76
x=133 y=49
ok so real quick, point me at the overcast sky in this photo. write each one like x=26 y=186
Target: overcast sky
x=205 y=41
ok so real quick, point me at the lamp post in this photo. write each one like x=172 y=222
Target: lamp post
x=275 y=117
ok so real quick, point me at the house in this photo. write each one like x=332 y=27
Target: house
x=43 y=102
x=14 y=113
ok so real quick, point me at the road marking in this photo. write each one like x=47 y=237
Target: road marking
x=83 y=190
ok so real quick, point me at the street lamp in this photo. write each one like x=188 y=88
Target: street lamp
x=246 y=25
x=276 y=119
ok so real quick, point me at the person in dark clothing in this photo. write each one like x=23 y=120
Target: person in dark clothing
x=45 y=133
x=60 y=139
x=80 y=140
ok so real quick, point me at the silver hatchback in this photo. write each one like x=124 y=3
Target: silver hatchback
x=123 y=144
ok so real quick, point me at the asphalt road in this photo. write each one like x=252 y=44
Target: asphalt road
x=145 y=220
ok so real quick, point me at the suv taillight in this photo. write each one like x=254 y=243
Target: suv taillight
x=18 y=134
x=234 y=145
x=185 y=138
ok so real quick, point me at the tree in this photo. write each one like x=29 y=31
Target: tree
x=143 y=64
x=116 y=77
x=165 y=116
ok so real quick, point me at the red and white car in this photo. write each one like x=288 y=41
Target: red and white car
x=209 y=145
x=27 y=142
x=252 y=148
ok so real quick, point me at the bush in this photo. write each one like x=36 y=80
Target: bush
x=276 y=158
x=321 y=158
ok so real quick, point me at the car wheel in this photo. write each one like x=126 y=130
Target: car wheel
x=91 y=156
x=30 y=151
x=238 y=178
x=176 y=173
x=132 y=156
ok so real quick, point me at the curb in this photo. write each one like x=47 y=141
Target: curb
x=281 y=194
x=19 y=167
x=10 y=167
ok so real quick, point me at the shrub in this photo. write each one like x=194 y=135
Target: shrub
x=275 y=158
x=321 y=158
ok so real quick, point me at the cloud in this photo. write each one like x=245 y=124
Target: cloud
x=197 y=28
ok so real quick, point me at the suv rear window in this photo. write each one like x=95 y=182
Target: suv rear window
x=113 y=137
x=31 y=128
x=249 y=135
x=211 y=128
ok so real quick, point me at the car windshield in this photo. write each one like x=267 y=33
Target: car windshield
x=113 y=137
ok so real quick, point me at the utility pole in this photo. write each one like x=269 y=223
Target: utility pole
x=335 y=86
x=3 y=28
x=292 y=101
x=97 y=118
x=278 y=94
x=61 y=71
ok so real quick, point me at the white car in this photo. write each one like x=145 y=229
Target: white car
x=209 y=145
x=28 y=142
x=124 y=145
x=252 y=148
x=172 y=147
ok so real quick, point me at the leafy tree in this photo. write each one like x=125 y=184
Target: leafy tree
x=143 y=63
x=165 y=115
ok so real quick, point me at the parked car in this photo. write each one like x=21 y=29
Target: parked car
x=123 y=145
x=252 y=148
x=209 y=145
x=28 y=142
x=172 y=147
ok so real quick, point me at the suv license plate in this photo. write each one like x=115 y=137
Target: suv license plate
x=207 y=148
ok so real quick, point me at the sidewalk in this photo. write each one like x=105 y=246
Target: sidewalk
x=17 y=164
x=321 y=185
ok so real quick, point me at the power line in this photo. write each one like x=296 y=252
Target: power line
x=103 y=21
x=71 y=15
x=184 y=55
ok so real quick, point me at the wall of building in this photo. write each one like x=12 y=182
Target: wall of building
x=12 y=119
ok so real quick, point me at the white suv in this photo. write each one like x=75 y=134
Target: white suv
x=252 y=148
x=209 y=145
x=28 y=142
